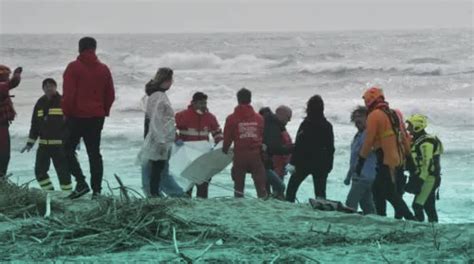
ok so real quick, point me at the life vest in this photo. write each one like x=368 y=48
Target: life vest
x=422 y=156
x=394 y=118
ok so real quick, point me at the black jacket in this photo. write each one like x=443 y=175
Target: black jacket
x=47 y=122
x=272 y=138
x=314 y=146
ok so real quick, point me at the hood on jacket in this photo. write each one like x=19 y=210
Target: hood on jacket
x=315 y=119
x=244 y=111
x=272 y=118
x=88 y=57
x=199 y=112
x=151 y=87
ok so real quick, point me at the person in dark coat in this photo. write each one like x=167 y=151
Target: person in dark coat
x=314 y=150
x=49 y=129
x=275 y=125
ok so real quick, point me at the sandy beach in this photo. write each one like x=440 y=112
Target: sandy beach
x=222 y=230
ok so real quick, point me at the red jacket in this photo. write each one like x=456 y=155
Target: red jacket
x=7 y=112
x=280 y=161
x=194 y=126
x=88 y=88
x=245 y=128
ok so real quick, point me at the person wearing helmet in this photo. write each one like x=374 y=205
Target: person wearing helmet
x=7 y=113
x=384 y=136
x=425 y=179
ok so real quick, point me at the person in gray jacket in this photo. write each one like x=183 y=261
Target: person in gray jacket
x=361 y=189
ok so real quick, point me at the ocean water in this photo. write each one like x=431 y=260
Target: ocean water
x=429 y=72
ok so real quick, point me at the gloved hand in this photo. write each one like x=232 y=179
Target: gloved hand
x=290 y=168
x=18 y=70
x=179 y=142
x=347 y=181
x=27 y=148
x=360 y=165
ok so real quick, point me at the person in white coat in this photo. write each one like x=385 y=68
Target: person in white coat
x=161 y=131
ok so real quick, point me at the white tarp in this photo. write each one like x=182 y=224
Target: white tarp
x=206 y=166
x=197 y=162
x=183 y=156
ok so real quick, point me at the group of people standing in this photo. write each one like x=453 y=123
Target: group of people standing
x=381 y=151
x=59 y=122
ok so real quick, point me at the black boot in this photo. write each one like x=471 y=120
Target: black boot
x=81 y=189
x=419 y=214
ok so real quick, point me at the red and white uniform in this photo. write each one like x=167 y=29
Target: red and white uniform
x=193 y=125
x=245 y=128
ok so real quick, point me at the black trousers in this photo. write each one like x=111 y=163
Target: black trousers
x=157 y=168
x=90 y=130
x=57 y=154
x=384 y=189
x=401 y=182
x=4 y=148
x=319 y=181
x=429 y=207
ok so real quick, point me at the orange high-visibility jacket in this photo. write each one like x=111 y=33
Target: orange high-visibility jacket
x=380 y=135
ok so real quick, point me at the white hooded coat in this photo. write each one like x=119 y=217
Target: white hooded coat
x=162 y=133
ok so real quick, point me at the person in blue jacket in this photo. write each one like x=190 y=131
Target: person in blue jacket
x=361 y=189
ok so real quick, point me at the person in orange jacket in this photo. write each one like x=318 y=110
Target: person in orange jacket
x=385 y=137
x=245 y=129
x=7 y=113
x=195 y=124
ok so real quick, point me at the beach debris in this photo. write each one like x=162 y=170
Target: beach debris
x=48 y=206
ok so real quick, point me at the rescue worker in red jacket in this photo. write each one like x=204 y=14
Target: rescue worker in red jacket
x=88 y=94
x=245 y=129
x=195 y=124
x=7 y=113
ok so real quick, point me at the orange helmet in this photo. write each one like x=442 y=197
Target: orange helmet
x=4 y=70
x=371 y=95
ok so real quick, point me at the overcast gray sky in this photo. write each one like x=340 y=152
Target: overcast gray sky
x=162 y=16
